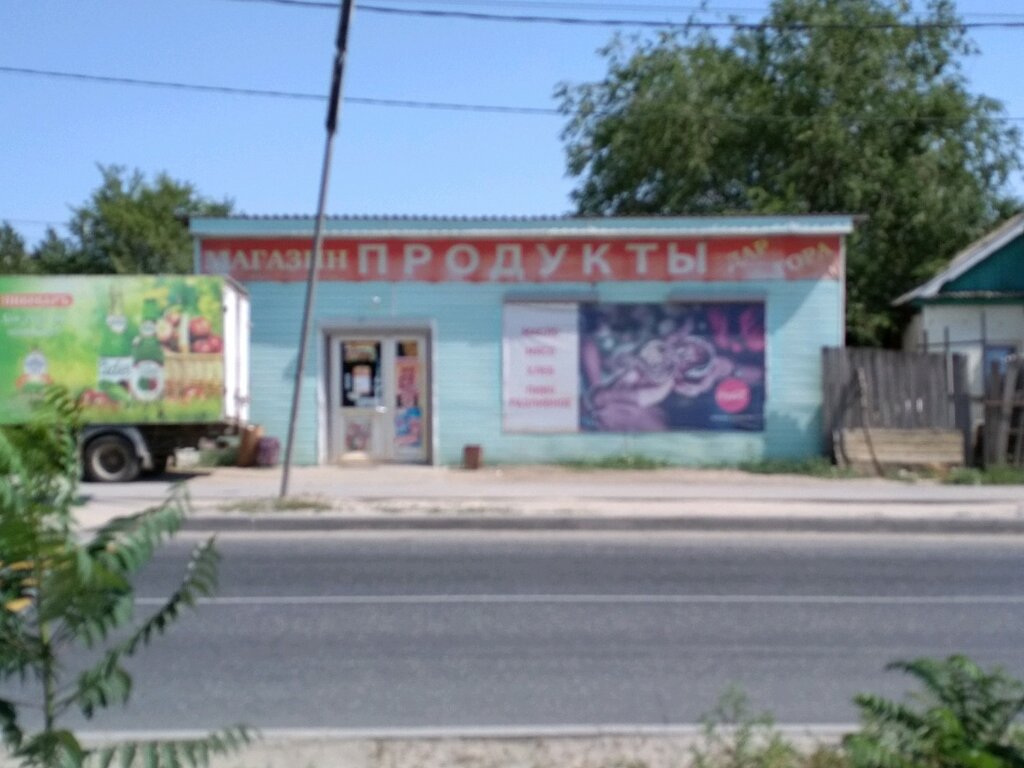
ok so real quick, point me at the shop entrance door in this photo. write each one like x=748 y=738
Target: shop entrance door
x=379 y=398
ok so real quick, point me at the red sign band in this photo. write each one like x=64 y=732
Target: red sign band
x=526 y=260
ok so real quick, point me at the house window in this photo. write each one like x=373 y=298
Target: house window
x=996 y=355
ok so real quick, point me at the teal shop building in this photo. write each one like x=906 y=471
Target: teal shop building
x=693 y=340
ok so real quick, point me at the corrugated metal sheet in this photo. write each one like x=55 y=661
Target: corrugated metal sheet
x=680 y=226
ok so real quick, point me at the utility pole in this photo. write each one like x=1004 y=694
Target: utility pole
x=333 y=108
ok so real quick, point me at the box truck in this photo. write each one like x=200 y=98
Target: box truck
x=156 y=362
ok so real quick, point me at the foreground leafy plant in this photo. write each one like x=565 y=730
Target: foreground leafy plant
x=733 y=736
x=964 y=718
x=58 y=594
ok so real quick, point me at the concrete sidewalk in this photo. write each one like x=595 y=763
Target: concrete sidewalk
x=555 y=498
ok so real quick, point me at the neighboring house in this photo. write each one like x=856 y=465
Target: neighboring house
x=975 y=306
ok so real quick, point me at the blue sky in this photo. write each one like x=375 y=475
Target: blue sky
x=266 y=153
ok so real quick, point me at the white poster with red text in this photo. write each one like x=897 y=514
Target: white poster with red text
x=540 y=367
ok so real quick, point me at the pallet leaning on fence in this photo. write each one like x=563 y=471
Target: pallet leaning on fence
x=1003 y=436
x=938 y=448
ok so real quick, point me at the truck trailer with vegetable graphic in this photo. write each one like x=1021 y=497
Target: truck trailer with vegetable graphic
x=155 y=361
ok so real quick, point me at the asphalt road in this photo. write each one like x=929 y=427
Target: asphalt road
x=436 y=630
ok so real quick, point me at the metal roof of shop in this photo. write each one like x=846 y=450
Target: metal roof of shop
x=967 y=259
x=723 y=226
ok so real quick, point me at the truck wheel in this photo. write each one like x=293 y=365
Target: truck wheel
x=111 y=459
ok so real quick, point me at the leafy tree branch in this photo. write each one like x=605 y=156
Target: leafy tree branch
x=60 y=593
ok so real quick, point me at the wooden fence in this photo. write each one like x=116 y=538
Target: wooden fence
x=909 y=402
x=1003 y=432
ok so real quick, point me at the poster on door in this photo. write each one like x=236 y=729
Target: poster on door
x=540 y=367
x=360 y=374
x=408 y=399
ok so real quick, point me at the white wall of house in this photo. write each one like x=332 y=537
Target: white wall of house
x=968 y=333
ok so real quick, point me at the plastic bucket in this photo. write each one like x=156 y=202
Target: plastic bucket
x=268 y=450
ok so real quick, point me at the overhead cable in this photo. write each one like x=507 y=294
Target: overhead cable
x=447 y=105
x=650 y=23
x=585 y=6
x=689 y=24
x=238 y=91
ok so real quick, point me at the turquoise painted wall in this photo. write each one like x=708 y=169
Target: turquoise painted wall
x=801 y=318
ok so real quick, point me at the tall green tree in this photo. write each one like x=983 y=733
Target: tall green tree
x=130 y=225
x=854 y=106
x=14 y=257
x=57 y=255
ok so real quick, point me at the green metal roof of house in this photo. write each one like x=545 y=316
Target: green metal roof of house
x=270 y=226
x=991 y=267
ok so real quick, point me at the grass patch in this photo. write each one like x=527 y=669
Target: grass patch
x=814 y=466
x=734 y=736
x=414 y=508
x=219 y=457
x=990 y=476
x=274 y=504
x=625 y=461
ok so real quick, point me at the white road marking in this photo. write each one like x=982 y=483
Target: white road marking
x=611 y=599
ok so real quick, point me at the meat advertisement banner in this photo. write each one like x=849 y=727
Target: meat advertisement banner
x=634 y=367
x=664 y=367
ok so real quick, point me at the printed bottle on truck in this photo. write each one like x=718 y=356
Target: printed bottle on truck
x=35 y=374
x=147 y=379
x=115 y=359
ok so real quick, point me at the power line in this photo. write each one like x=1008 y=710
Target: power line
x=598 y=6
x=163 y=84
x=652 y=24
x=586 y=6
x=636 y=8
x=5 y=220
x=450 y=106
x=443 y=105
x=648 y=23
x=296 y=95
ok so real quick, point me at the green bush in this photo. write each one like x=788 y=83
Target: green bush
x=964 y=717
